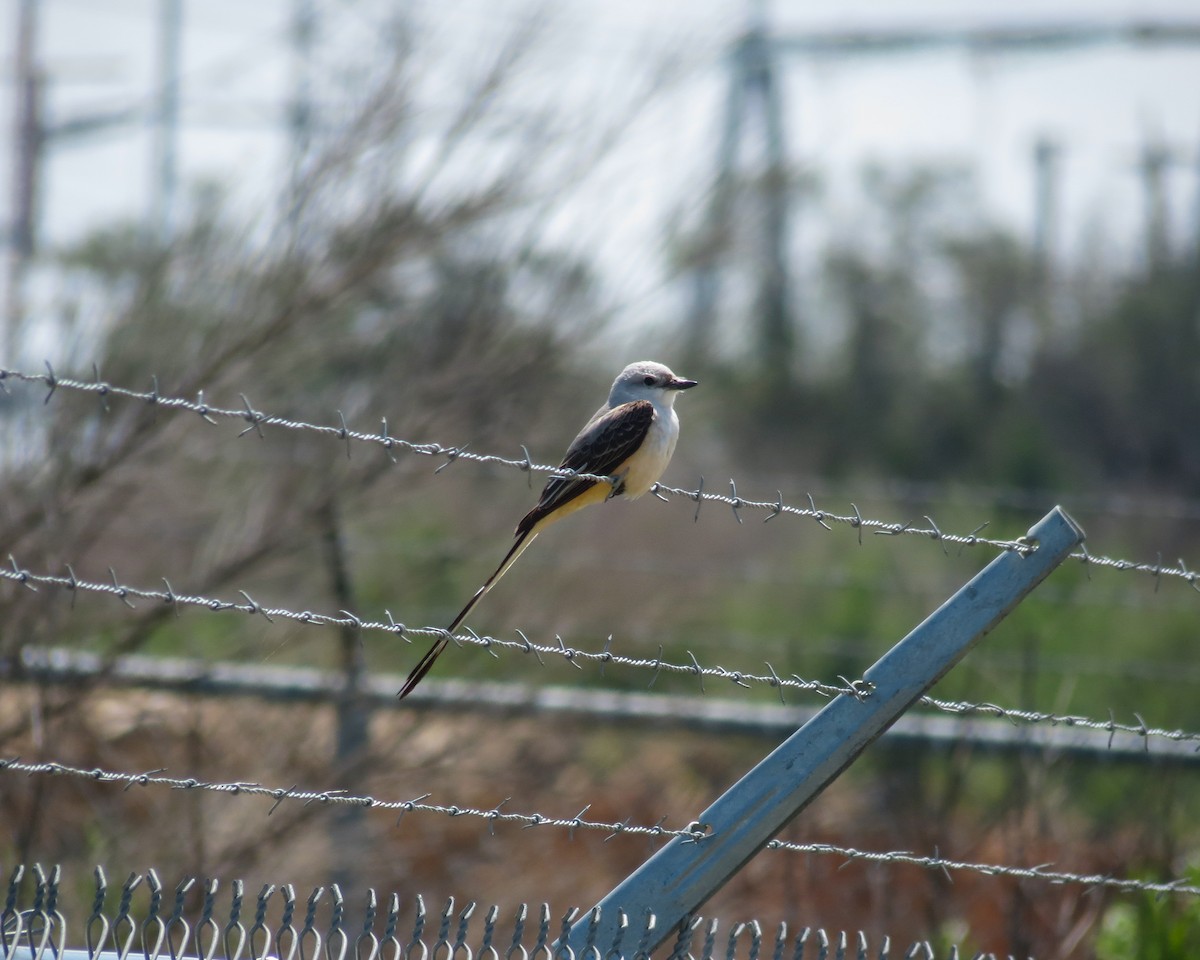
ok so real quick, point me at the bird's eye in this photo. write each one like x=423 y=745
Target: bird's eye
x=648 y=380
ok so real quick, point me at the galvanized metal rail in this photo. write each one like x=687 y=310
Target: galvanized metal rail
x=681 y=876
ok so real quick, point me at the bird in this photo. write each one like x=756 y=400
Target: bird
x=630 y=438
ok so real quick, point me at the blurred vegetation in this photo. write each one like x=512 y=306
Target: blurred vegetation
x=377 y=291
x=408 y=278
x=960 y=354
x=1151 y=928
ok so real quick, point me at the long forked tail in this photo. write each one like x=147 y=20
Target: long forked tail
x=425 y=664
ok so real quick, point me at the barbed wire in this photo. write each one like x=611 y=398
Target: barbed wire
x=1040 y=872
x=574 y=655
x=694 y=832
x=345 y=618
x=339 y=797
x=256 y=420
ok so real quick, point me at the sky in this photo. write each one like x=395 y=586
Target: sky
x=1101 y=103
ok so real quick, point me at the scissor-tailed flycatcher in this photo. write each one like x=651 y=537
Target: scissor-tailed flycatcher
x=630 y=438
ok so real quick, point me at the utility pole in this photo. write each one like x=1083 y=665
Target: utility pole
x=27 y=143
x=32 y=136
x=166 y=121
x=1152 y=166
x=776 y=336
x=1195 y=224
x=1047 y=154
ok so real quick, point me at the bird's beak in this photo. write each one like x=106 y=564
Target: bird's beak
x=678 y=383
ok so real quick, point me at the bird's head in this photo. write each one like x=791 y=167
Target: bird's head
x=647 y=380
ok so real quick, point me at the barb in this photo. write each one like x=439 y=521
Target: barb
x=693 y=832
x=773 y=508
x=575 y=655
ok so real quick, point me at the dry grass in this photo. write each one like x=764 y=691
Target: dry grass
x=477 y=761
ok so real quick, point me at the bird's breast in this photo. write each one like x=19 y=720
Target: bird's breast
x=648 y=464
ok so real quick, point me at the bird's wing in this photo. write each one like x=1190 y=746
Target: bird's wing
x=601 y=448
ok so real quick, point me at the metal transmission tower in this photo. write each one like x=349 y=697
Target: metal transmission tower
x=752 y=81
x=753 y=76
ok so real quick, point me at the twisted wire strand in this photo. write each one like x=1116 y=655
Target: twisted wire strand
x=576 y=656
x=693 y=833
x=345 y=618
x=493 y=815
x=256 y=420
x=1040 y=872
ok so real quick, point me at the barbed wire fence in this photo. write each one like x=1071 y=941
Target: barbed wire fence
x=256 y=421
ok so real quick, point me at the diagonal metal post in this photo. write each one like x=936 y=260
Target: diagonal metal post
x=676 y=880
